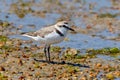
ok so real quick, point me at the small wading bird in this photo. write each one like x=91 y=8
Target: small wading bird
x=50 y=35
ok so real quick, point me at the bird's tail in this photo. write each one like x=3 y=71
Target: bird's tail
x=33 y=37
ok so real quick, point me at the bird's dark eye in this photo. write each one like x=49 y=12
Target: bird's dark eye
x=60 y=26
x=65 y=23
x=64 y=26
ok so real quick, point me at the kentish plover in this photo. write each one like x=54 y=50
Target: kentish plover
x=50 y=35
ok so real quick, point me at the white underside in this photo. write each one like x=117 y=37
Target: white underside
x=51 y=38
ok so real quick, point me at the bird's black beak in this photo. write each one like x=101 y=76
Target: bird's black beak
x=70 y=29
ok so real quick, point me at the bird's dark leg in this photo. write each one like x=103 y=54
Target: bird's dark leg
x=48 y=53
x=45 y=52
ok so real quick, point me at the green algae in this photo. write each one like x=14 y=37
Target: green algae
x=92 y=53
x=21 y=8
x=109 y=15
x=55 y=49
x=104 y=50
x=113 y=52
x=3 y=38
x=3 y=77
x=72 y=69
x=4 y=23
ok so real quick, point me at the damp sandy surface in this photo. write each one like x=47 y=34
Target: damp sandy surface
x=97 y=27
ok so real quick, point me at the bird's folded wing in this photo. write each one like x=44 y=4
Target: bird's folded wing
x=42 y=32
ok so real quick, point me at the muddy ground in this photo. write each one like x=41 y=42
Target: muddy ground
x=93 y=55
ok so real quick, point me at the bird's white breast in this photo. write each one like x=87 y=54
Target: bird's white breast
x=53 y=38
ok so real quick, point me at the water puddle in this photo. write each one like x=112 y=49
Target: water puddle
x=78 y=41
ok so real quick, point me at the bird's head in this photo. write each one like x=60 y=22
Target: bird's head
x=64 y=25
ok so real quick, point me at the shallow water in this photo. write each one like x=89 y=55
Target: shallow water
x=79 y=41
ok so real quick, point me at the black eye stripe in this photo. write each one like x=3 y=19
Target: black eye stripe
x=65 y=26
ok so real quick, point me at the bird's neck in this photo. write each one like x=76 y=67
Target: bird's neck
x=63 y=30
